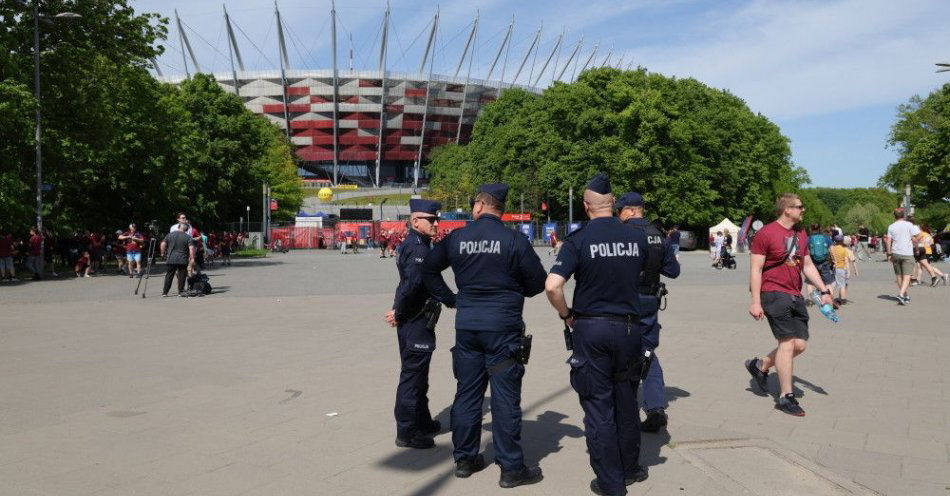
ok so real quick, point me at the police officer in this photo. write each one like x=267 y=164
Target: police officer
x=662 y=260
x=606 y=258
x=495 y=269
x=416 y=333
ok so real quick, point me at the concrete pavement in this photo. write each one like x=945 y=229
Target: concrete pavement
x=283 y=383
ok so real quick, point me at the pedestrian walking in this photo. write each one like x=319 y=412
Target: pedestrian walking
x=779 y=258
x=606 y=258
x=925 y=249
x=178 y=249
x=674 y=237
x=133 y=240
x=843 y=260
x=862 y=250
x=495 y=270
x=415 y=329
x=34 y=255
x=899 y=246
x=661 y=261
x=7 y=269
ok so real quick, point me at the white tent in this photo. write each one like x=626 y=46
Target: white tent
x=726 y=225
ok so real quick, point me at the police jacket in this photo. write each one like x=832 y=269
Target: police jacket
x=606 y=258
x=662 y=259
x=411 y=294
x=495 y=269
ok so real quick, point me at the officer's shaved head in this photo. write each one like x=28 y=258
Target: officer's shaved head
x=598 y=203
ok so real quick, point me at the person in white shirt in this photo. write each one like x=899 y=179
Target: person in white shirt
x=182 y=219
x=899 y=243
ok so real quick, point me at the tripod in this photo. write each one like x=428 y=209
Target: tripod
x=148 y=267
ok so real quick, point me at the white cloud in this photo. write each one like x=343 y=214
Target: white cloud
x=797 y=58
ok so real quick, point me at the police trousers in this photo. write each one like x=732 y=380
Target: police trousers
x=475 y=352
x=416 y=344
x=605 y=373
x=653 y=395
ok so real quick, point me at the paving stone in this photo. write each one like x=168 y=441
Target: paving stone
x=853 y=460
x=206 y=409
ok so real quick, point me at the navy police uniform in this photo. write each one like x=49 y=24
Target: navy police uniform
x=662 y=262
x=416 y=341
x=606 y=257
x=495 y=269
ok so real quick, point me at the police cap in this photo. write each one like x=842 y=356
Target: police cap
x=599 y=184
x=424 y=206
x=631 y=199
x=498 y=191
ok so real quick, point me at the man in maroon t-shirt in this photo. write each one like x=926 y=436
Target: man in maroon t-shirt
x=779 y=257
x=133 y=249
x=6 y=256
x=34 y=255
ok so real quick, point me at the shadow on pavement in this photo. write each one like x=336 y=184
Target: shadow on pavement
x=809 y=386
x=417 y=460
x=888 y=297
x=650 y=446
x=774 y=387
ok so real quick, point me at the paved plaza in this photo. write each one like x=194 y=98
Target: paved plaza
x=283 y=382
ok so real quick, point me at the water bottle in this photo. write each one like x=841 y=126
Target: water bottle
x=826 y=309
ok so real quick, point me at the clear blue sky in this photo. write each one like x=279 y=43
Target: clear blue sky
x=830 y=73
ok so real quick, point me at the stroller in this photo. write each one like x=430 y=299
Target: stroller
x=726 y=260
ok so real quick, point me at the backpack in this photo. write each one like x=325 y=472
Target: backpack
x=818 y=248
x=199 y=285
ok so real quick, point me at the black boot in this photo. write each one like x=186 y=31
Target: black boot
x=467 y=467
x=523 y=477
x=417 y=441
x=639 y=474
x=656 y=420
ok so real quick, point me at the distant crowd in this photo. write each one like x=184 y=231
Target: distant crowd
x=89 y=253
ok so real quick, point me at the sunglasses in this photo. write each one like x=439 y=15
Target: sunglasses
x=801 y=207
x=432 y=219
x=472 y=202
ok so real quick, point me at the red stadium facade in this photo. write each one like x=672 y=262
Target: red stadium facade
x=447 y=108
x=377 y=126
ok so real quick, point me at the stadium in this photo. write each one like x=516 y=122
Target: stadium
x=376 y=127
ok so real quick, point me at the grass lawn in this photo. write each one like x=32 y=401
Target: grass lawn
x=250 y=253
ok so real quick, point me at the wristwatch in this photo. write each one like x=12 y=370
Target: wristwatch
x=570 y=313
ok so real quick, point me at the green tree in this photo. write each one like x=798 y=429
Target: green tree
x=119 y=145
x=922 y=137
x=841 y=200
x=16 y=183
x=696 y=153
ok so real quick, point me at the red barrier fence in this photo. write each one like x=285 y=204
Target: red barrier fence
x=325 y=237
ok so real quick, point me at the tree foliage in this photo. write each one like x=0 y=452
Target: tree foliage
x=841 y=200
x=922 y=137
x=697 y=154
x=119 y=145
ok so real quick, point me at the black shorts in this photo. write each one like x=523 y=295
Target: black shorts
x=826 y=271
x=787 y=314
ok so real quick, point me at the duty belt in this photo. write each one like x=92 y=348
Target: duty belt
x=615 y=318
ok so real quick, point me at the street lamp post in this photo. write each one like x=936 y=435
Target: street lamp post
x=36 y=92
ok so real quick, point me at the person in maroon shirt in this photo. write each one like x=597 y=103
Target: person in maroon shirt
x=96 y=243
x=133 y=249
x=779 y=258
x=383 y=241
x=118 y=252
x=7 y=271
x=34 y=255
